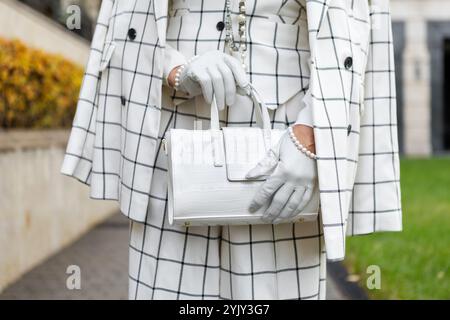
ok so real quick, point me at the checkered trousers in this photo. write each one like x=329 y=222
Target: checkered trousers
x=286 y=261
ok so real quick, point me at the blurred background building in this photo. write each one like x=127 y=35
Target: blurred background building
x=422 y=52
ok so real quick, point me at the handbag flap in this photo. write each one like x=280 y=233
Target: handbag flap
x=244 y=148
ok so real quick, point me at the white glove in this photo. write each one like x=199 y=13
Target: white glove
x=214 y=74
x=290 y=186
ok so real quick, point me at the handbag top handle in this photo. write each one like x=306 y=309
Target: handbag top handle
x=262 y=113
x=263 y=120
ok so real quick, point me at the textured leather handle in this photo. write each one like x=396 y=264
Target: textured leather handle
x=262 y=112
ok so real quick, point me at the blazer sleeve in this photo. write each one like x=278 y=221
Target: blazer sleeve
x=376 y=197
x=79 y=153
x=305 y=115
x=172 y=58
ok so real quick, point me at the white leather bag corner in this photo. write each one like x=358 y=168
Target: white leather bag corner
x=207 y=169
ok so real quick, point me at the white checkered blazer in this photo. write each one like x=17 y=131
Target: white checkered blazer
x=113 y=147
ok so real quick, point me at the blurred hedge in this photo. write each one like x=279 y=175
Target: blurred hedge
x=37 y=90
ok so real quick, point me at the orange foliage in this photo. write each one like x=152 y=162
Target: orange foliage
x=37 y=90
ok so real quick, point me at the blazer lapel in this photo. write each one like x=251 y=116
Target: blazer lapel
x=317 y=12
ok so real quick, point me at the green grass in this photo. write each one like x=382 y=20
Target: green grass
x=415 y=264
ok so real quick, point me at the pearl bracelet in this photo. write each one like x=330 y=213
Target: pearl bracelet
x=301 y=147
x=180 y=71
x=177 y=76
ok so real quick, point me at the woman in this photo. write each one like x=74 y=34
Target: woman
x=320 y=67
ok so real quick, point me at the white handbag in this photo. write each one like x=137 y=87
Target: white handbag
x=207 y=169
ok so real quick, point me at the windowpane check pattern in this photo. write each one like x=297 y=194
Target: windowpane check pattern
x=285 y=261
x=354 y=111
x=340 y=51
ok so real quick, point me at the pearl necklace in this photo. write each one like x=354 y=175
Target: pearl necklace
x=229 y=37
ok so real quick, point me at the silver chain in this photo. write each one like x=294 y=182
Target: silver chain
x=229 y=37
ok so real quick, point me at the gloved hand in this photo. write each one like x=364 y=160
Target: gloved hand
x=214 y=74
x=290 y=185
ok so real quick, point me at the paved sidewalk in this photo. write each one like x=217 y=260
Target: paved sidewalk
x=102 y=256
